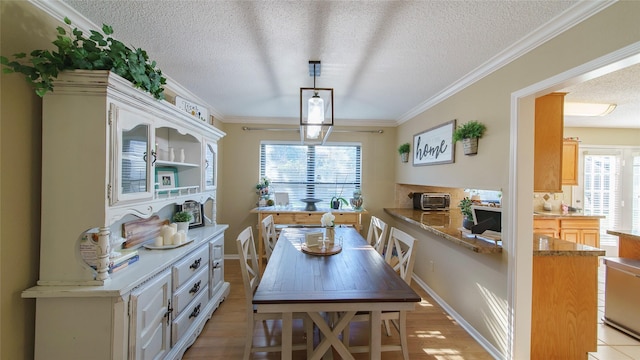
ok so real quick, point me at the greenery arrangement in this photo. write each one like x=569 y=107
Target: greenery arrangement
x=404 y=149
x=472 y=129
x=340 y=200
x=465 y=208
x=76 y=51
x=182 y=216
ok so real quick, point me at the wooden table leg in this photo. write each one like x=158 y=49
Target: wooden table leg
x=375 y=335
x=287 y=335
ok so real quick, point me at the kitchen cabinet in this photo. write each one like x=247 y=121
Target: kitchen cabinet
x=548 y=143
x=103 y=145
x=570 y=162
x=584 y=230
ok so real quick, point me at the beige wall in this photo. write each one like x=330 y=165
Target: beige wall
x=474 y=285
x=240 y=171
x=605 y=136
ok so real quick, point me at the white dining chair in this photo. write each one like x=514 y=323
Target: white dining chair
x=377 y=234
x=251 y=279
x=400 y=255
x=269 y=235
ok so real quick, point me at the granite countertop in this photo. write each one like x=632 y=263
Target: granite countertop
x=559 y=214
x=549 y=246
x=447 y=225
x=629 y=234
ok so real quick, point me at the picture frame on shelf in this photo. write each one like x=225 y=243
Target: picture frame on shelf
x=166 y=177
x=196 y=209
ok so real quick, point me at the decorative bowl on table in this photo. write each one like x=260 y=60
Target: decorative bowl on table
x=311 y=204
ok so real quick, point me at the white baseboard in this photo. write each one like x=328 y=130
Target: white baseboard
x=493 y=351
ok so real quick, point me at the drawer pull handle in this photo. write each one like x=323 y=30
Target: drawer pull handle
x=196 y=264
x=195 y=288
x=195 y=312
x=168 y=313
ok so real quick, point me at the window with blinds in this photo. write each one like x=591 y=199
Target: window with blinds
x=602 y=189
x=319 y=172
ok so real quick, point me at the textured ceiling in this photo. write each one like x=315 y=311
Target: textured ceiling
x=248 y=59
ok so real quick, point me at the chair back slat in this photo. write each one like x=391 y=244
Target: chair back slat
x=269 y=235
x=400 y=253
x=248 y=263
x=376 y=236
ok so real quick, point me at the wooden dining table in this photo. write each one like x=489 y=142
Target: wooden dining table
x=355 y=279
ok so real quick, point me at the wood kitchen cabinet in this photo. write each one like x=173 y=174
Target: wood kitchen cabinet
x=583 y=230
x=570 y=162
x=548 y=143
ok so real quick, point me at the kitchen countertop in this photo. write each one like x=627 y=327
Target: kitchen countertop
x=630 y=234
x=549 y=246
x=560 y=214
x=447 y=225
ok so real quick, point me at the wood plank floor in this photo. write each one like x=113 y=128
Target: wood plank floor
x=432 y=334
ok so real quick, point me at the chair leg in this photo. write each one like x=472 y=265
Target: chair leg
x=249 y=342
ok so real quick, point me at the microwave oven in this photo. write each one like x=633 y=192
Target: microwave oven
x=431 y=201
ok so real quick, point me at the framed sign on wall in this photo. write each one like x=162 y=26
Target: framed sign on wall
x=435 y=145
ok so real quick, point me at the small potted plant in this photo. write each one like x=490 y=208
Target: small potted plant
x=467 y=214
x=404 y=150
x=337 y=201
x=182 y=218
x=469 y=134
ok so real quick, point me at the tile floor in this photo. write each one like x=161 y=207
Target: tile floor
x=612 y=344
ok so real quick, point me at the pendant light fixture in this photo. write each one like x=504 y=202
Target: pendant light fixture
x=316 y=110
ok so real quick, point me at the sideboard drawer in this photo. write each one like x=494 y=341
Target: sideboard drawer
x=194 y=310
x=189 y=266
x=192 y=288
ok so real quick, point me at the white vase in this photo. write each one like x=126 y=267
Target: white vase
x=183 y=226
x=172 y=154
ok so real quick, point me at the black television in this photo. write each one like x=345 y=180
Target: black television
x=486 y=218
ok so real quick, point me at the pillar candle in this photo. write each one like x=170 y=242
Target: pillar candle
x=159 y=241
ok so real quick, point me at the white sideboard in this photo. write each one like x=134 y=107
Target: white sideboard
x=107 y=158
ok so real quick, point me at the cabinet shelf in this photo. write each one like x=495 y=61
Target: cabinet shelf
x=175 y=164
x=175 y=192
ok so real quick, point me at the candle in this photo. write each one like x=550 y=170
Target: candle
x=159 y=241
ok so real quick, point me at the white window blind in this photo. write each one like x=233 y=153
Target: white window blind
x=602 y=189
x=319 y=172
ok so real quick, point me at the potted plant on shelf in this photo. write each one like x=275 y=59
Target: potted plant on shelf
x=76 y=51
x=469 y=134
x=467 y=214
x=182 y=218
x=337 y=201
x=404 y=150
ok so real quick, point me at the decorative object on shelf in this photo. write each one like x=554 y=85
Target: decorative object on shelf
x=357 y=200
x=435 y=145
x=316 y=110
x=196 y=209
x=76 y=51
x=404 y=150
x=183 y=218
x=193 y=109
x=337 y=201
x=311 y=204
x=182 y=156
x=166 y=177
x=469 y=133
x=262 y=190
x=172 y=154
x=467 y=214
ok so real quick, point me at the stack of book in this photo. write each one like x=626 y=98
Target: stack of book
x=126 y=258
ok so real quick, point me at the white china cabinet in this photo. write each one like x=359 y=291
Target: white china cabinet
x=112 y=152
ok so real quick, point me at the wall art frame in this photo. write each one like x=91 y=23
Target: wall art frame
x=434 y=146
x=196 y=209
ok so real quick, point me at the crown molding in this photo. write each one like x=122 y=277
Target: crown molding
x=566 y=20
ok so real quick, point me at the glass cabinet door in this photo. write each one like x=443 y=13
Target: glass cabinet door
x=134 y=157
x=210 y=164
